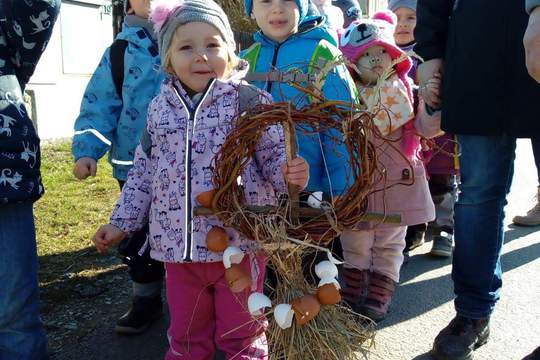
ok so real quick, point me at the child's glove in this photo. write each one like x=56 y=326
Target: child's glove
x=85 y=167
x=296 y=172
x=107 y=236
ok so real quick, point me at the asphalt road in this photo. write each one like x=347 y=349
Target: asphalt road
x=422 y=304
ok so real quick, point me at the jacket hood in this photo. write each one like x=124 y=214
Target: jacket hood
x=311 y=28
x=132 y=34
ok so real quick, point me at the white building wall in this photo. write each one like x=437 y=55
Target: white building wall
x=81 y=34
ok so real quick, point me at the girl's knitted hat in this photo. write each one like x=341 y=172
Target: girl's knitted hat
x=168 y=15
x=303 y=6
x=396 y=4
x=365 y=33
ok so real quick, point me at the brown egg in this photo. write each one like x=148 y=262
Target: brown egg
x=205 y=198
x=328 y=294
x=237 y=278
x=217 y=239
x=305 y=308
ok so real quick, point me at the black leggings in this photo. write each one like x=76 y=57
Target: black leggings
x=142 y=268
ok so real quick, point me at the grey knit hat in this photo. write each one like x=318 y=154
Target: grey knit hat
x=168 y=15
x=393 y=5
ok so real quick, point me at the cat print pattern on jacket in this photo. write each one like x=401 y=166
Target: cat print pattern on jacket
x=162 y=190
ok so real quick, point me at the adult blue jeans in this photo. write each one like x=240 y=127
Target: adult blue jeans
x=22 y=336
x=487 y=167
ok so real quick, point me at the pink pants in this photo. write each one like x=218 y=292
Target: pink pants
x=379 y=250
x=203 y=310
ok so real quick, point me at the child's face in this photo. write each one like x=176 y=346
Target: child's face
x=277 y=19
x=372 y=64
x=198 y=53
x=404 y=33
x=139 y=8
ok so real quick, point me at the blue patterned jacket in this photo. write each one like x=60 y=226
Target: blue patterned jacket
x=108 y=122
x=25 y=29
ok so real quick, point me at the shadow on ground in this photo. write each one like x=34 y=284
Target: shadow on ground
x=438 y=291
x=103 y=344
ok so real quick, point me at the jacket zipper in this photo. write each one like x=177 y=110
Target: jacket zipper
x=189 y=136
x=274 y=61
x=276 y=51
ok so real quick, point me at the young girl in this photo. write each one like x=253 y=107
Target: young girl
x=441 y=166
x=373 y=252
x=187 y=123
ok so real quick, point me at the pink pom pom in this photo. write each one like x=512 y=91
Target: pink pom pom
x=386 y=15
x=160 y=10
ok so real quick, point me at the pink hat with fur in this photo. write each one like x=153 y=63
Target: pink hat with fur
x=362 y=34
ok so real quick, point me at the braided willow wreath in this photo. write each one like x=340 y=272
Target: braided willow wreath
x=316 y=225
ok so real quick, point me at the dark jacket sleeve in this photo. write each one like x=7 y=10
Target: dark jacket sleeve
x=27 y=26
x=432 y=27
x=531 y=4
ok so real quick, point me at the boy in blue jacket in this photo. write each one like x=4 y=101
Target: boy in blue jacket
x=112 y=118
x=291 y=40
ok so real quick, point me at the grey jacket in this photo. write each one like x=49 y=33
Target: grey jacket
x=531 y=4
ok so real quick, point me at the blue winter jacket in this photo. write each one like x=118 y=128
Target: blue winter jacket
x=106 y=121
x=329 y=173
x=25 y=29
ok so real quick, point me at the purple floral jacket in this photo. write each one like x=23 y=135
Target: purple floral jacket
x=162 y=190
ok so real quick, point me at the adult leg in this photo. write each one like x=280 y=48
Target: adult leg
x=486 y=174
x=22 y=336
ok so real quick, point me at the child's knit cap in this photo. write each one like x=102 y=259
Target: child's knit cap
x=168 y=15
x=365 y=33
x=303 y=6
x=396 y=4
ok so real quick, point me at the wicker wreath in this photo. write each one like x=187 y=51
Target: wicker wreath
x=318 y=225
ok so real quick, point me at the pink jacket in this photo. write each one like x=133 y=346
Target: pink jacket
x=182 y=132
x=411 y=200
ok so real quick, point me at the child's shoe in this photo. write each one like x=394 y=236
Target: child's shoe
x=380 y=291
x=442 y=245
x=143 y=312
x=354 y=289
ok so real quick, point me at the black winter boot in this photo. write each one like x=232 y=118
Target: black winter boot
x=143 y=312
x=461 y=338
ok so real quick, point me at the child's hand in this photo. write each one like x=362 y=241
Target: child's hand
x=296 y=172
x=432 y=90
x=85 y=167
x=107 y=236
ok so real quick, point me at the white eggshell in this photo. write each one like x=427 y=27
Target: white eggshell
x=283 y=314
x=314 y=200
x=333 y=260
x=326 y=269
x=232 y=255
x=257 y=302
x=329 y=280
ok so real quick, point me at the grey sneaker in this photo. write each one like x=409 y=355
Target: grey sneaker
x=533 y=216
x=442 y=245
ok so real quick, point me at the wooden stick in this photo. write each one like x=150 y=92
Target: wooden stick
x=304 y=213
x=291 y=150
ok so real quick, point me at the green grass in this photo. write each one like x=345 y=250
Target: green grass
x=69 y=213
